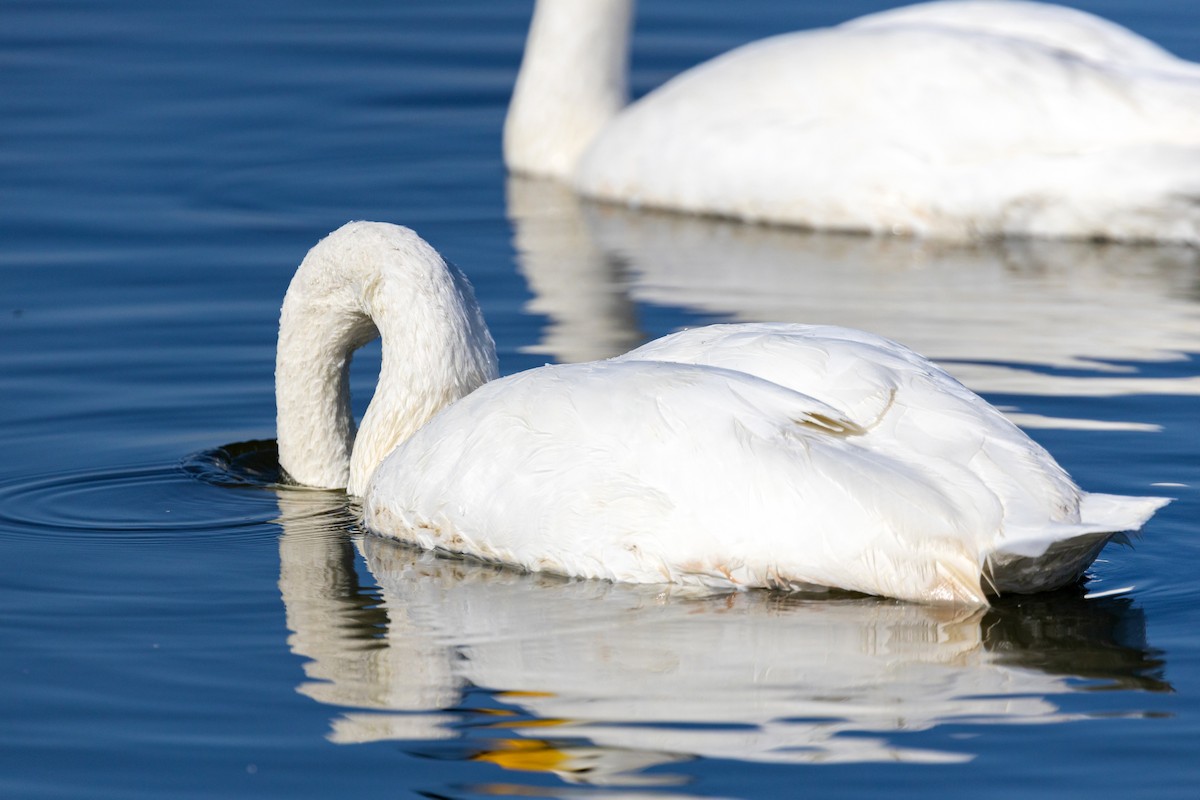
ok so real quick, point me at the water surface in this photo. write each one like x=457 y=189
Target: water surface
x=176 y=625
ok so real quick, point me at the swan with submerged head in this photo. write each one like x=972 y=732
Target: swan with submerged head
x=731 y=456
x=949 y=119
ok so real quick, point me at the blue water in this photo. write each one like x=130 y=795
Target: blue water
x=172 y=626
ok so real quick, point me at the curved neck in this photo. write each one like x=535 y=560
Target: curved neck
x=574 y=78
x=366 y=280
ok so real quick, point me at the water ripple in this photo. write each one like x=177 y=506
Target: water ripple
x=149 y=503
x=253 y=464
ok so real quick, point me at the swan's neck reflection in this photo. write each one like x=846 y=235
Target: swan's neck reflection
x=581 y=289
x=597 y=682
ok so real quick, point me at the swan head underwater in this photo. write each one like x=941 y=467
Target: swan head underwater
x=727 y=457
x=955 y=120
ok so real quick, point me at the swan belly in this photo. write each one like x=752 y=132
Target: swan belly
x=910 y=130
x=656 y=472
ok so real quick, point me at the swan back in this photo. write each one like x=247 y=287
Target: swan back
x=911 y=128
x=366 y=280
x=1057 y=27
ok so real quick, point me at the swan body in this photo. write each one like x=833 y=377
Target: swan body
x=950 y=119
x=731 y=456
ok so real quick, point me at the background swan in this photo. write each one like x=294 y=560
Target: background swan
x=952 y=119
x=730 y=456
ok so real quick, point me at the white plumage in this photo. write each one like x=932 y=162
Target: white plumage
x=949 y=119
x=732 y=456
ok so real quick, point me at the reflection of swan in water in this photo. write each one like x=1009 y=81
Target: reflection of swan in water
x=596 y=681
x=951 y=119
x=567 y=272
x=736 y=456
x=1024 y=317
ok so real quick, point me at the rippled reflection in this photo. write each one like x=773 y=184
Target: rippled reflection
x=1026 y=317
x=596 y=682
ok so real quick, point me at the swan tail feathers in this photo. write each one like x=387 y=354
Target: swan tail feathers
x=1116 y=513
x=1052 y=558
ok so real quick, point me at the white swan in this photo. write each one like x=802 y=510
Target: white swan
x=949 y=119
x=732 y=456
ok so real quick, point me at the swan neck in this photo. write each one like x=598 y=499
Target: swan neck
x=366 y=280
x=314 y=424
x=574 y=79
